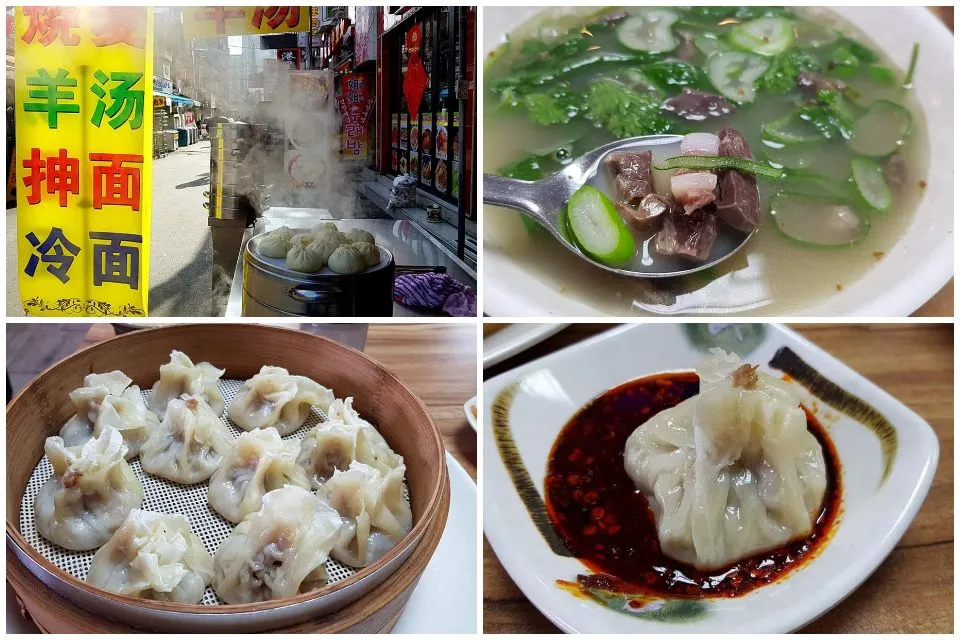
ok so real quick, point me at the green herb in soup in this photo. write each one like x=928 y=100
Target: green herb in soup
x=781 y=112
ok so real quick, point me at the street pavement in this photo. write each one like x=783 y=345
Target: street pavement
x=180 y=247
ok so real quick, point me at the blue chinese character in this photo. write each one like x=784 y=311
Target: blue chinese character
x=52 y=252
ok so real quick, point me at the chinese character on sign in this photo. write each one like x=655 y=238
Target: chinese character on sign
x=51 y=23
x=119 y=25
x=51 y=252
x=116 y=184
x=275 y=16
x=116 y=262
x=220 y=15
x=126 y=101
x=51 y=94
x=60 y=173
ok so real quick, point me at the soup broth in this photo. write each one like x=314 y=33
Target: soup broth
x=773 y=274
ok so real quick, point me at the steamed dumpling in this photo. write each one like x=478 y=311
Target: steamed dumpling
x=324 y=226
x=155 y=556
x=359 y=235
x=189 y=444
x=332 y=236
x=276 y=243
x=180 y=376
x=732 y=471
x=90 y=494
x=258 y=463
x=275 y=398
x=375 y=515
x=301 y=239
x=305 y=258
x=369 y=253
x=128 y=414
x=279 y=550
x=346 y=260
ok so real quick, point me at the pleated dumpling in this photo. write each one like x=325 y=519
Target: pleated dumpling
x=155 y=556
x=258 y=463
x=341 y=439
x=375 y=514
x=276 y=243
x=274 y=398
x=278 y=550
x=189 y=444
x=180 y=376
x=732 y=471
x=90 y=494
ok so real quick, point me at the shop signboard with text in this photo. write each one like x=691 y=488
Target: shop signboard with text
x=213 y=22
x=355 y=104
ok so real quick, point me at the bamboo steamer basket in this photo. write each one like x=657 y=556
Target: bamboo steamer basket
x=369 y=601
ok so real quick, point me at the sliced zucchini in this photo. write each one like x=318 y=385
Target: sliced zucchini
x=881 y=130
x=763 y=36
x=708 y=43
x=598 y=229
x=735 y=74
x=818 y=221
x=790 y=156
x=649 y=31
x=871 y=185
x=790 y=129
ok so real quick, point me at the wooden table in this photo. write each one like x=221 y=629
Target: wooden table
x=912 y=591
x=437 y=361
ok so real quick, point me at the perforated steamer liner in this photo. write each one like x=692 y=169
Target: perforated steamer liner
x=347 y=585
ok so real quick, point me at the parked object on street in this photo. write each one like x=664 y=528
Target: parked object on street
x=404 y=192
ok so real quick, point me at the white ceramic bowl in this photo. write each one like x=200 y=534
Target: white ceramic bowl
x=875 y=512
x=915 y=269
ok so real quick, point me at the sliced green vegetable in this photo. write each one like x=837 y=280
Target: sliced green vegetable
x=721 y=162
x=838 y=111
x=881 y=74
x=649 y=30
x=669 y=74
x=551 y=108
x=868 y=177
x=803 y=182
x=843 y=62
x=791 y=156
x=598 y=229
x=790 y=129
x=708 y=43
x=784 y=70
x=734 y=74
x=763 y=36
x=863 y=53
x=625 y=113
x=881 y=130
x=914 y=55
x=818 y=221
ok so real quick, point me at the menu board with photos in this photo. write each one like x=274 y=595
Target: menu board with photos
x=426 y=171
x=440 y=136
x=395 y=131
x=404 y=133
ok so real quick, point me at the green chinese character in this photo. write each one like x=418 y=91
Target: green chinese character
x=125 y=101
x=51 y=94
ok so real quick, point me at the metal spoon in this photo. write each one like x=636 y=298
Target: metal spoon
x=542 y=200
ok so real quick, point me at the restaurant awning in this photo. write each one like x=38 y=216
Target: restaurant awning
x=178 y=99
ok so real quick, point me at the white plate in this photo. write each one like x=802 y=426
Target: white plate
x=514 y=338
x=468 y=407
x=875 y=514
x=450 y=576
x=913 y=270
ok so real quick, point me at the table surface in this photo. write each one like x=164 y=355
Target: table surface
x=912 y=591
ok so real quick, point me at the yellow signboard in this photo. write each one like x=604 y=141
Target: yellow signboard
x=84 y=159
x=210 y=22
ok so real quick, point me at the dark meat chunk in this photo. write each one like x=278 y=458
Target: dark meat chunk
x=690 y=235
x=739 y=202
x=647 y=217
x=895 y=172
x=810 y=83
x=696 y=105
x=633 y=180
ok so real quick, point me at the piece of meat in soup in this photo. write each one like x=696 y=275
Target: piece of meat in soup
x=738 y=204
x=633 y=181
x=689 y=235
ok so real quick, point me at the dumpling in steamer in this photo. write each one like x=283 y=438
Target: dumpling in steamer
x=275 y=398
x=359 y=235
x=189 y=444
x=324 y=226
x=276 y=243
x=345 y=437
x=346 y=260
x=375 y=515
x=305 y=258
x=369 y=253
x=732 y=471
x=259 y=463
x=180 y=376
x=155 y=556
x=279 y=550
x=90 y=494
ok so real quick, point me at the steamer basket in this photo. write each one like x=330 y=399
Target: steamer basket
x=364 y=602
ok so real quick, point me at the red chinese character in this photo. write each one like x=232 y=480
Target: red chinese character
x=220 y=15
x=116 y=184
x=275 y=16
x=51 y=23
x=60 y=172
x=119 y=25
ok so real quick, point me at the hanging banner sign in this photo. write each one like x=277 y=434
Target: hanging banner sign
x=355 y=106
x=212 y=22
x=84 y=159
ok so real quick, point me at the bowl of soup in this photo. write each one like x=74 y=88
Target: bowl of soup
x=842 y=118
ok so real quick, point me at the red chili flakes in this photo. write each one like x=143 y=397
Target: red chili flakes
x=589 y=530
x=591 y=497
x=614 y=529
x=573 y=479
x=574 y=455
x=597 y=513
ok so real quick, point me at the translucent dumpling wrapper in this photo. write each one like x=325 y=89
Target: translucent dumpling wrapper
x=90 y=494
x=359 y=235
x=343 y=438
x=258 y=463
x=276 y=243
x=155 y=556
x=346 y=260
x=732 y=471
x=275 y=398
x=188 y=446
x=375 y=514
x=97 y=386
x=278 y=550
x=180 y=376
